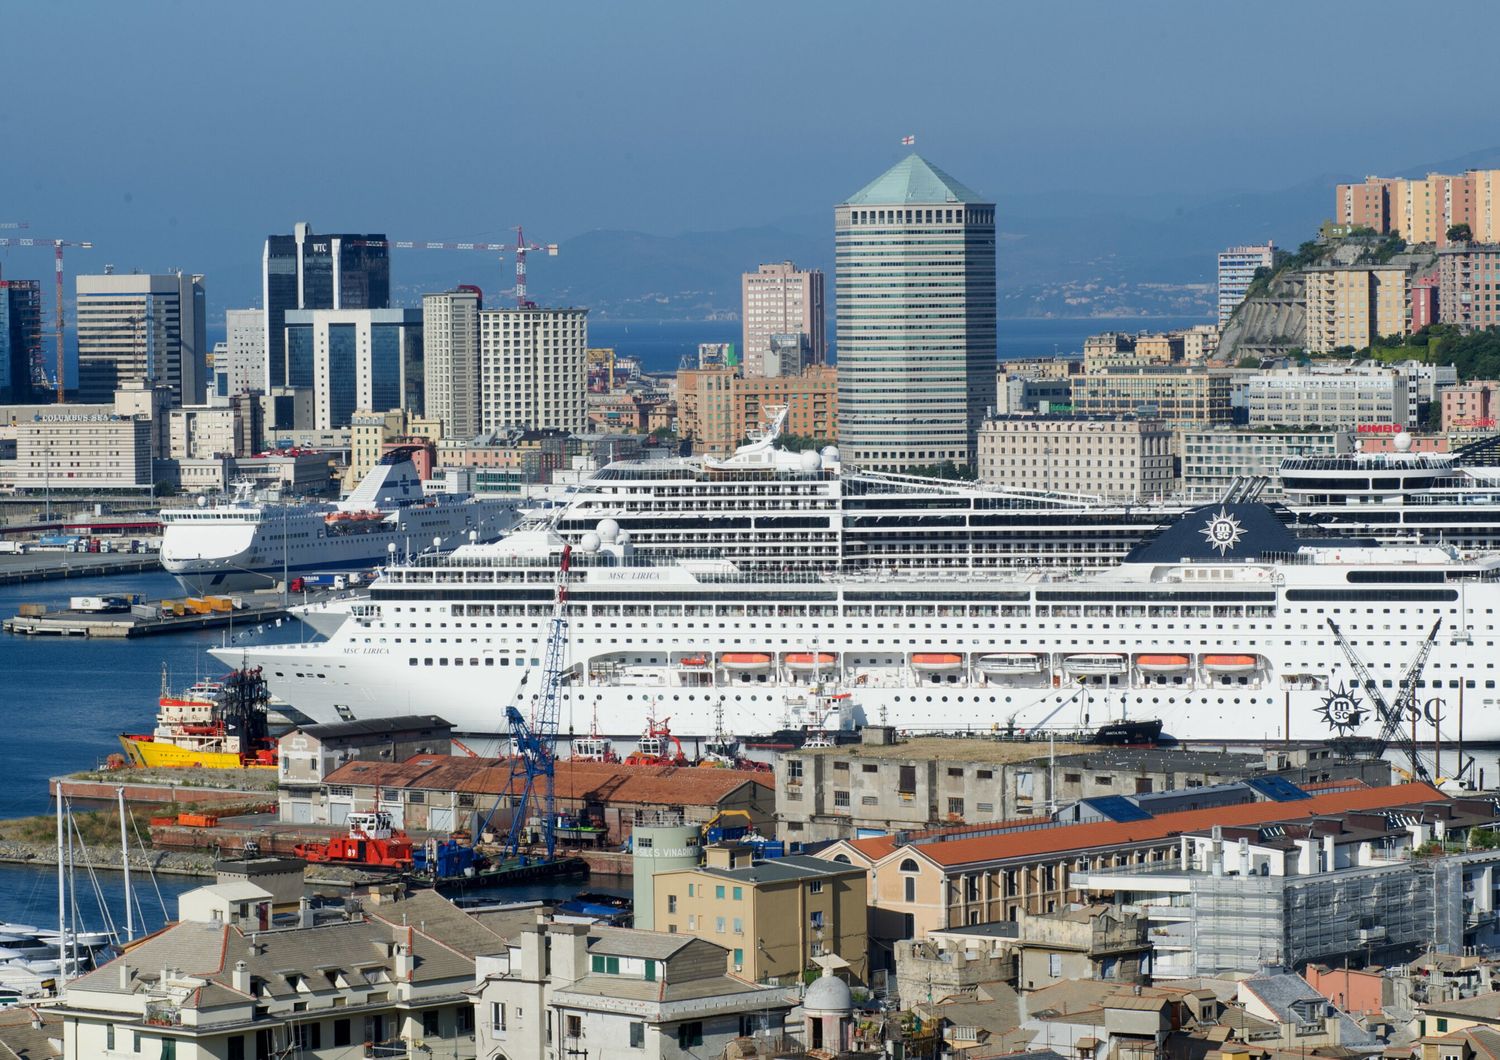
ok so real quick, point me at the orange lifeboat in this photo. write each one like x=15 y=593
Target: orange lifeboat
x=805 y=660
x=936 y=661
x=1161 y=664
x=1230 y=664
x=747 y=661
x=693 y=661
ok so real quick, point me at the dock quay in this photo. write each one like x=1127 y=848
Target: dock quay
x=43 y=566
x=143 y=620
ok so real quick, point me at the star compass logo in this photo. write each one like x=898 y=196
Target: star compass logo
x=1342 y=710
x=1223 y=531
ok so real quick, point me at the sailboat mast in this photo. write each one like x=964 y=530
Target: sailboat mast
x=62 y=891
x=125 y=864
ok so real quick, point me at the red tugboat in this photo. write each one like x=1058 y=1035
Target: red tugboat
x=371 y=841
x=657 y=747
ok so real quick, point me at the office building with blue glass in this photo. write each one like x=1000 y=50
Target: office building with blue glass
x=367 y=360
x=306 y=270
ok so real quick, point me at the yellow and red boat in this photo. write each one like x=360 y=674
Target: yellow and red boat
x=211 y=725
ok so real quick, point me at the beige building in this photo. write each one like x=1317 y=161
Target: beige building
x=1421 y=210
x=782 y=300
x=1353 y=305
x=705 y=408
x=71 y=452
x=202 y=431
x=1471 y=406
x=1331 y=396
x=774 y=916
x=370 y=433
x=718 y=408
x=1122 y=458
x=450 y=359
x=533 y=369
x=1178 y=396
x=1114 y=349
x=135 y=328
x=1212 y=459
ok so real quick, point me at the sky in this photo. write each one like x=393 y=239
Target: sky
x=178 y=134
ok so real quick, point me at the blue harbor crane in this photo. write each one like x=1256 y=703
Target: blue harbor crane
x=535 y=743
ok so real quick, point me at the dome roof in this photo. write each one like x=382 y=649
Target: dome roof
x=828 y=996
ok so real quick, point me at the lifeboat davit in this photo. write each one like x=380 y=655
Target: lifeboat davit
x=804 y=660
x=1009 y=662
x=746 y=661
x=935 y=662
x=1094 y=665
x=1161 y=664
x=1230 y=664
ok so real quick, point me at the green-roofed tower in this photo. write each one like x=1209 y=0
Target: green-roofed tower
x=915 y=292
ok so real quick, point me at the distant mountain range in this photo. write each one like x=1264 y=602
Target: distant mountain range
x=1058 y=254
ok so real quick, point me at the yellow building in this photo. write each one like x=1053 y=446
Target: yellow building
x=371 y=432
x=1354 y=305
x=774 y=915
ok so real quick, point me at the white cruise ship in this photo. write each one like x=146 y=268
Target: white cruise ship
x=1217 y=625
x=247 y=544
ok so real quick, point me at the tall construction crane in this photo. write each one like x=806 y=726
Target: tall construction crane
x=57 y=246
x=520 y=248
x=535 y=742
x=1392 y=715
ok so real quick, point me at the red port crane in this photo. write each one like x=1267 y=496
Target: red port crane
x=521 y=248
x=57 y=247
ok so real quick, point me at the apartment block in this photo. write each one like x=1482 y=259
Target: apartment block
x=1115 y=349
x=705 y=408
x=811 y=399
x=1353 y=306
x=775 y=916
x=1469 y=285
x=450 y=359
x=356 y=359
x=533 y=369
x=202 y=431
x=1337 y=397
x=139 y=328
x=1421 y=210
x=1180 y=396
x=1115 y=458
x=1474 y=405
x=556 y=990
x=1213 y=459
x=241 y=367
x=1237 y=267
x=784 y=302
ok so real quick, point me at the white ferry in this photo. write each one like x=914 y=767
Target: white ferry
x=1217 y=625
x=250 y=544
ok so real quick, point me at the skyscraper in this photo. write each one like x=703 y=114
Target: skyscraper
x=916 y=318
x=307 y=271
x=357 y=359
x=450 y=341
x=20 y=339
x=782 y=299
x=135 y=328
x=245 y=357
x=1237 y=266
x=533 y=368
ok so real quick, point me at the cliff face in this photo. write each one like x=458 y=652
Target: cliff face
x=1270 y=324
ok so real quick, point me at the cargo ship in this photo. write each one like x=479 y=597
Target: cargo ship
x=217 y=724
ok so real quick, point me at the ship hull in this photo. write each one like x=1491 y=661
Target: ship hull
x=159 y=754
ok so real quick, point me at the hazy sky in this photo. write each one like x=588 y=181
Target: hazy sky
x=179 y=134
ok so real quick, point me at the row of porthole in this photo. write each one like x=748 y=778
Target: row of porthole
x=902 y=699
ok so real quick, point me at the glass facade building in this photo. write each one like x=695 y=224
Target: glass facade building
x=356 y=360
x=915 y=293
x=305 y=270
x=20 y=339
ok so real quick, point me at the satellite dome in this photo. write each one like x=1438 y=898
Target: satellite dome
x=202 y=501
x=828 y=996
x=589 y=542
x=607 y=530
x=1403 y=442
x=831 y=454
x=810 y=460
x=623 y=538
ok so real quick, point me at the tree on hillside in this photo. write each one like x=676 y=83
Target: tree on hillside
x=1460 y=233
